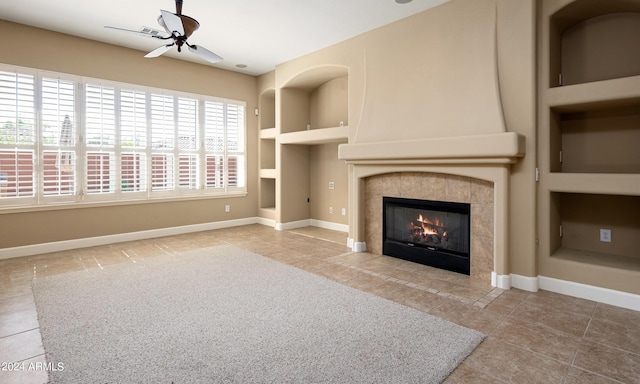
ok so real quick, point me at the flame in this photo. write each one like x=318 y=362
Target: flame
x=428 y=227
x=435 y=222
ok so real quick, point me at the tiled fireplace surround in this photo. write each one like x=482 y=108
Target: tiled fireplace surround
x=468 y=169
x=436 y=187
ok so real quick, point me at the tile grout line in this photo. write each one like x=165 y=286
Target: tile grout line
x=508 y=315
x=477 y=303
x=18 y=333
x=584 y=334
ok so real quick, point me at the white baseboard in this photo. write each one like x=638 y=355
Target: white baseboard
x=590 y=292
x=329 y=225
x=500 y=281
x=525 y=283
x=311 y=223
x=292 y=225
x=356 y=246
x=267 y=222
x=35 y=249
x=569 y=288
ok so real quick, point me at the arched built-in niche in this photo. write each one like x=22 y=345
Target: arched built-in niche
x=593 y=40
x=313 y=119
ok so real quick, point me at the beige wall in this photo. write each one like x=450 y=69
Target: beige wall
x=36 y=48
x=325 y=167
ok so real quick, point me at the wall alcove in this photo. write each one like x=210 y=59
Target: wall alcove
x=267 y=153
x=313 y=119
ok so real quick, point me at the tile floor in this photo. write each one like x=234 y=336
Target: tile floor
x=532 y=337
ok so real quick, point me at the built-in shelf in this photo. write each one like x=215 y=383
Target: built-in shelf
x=593 y=40
x=267 y=173
x=267 y=109
x=318 y=100
x=268 y=213
x=595 y=139
x=600 y=94
x=267 y=153
x=267 y=193
x=268 y=133
x=598 y=258
x=316 y=136
x=577 y=222
x=597 y=183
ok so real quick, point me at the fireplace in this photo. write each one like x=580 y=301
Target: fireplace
x=433 y=233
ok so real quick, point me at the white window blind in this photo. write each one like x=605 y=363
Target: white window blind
x=187 y=143
x=162 y=175
x=17 y=108
x=133 y=141
x=17 y=135
x=235 y=145
x=162 y=122
x=214 y=145
x=133 y=167
x=69 y=139
x=58 y=138
x=100 y=139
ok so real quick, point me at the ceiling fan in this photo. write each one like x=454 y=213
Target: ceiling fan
x=179 y=27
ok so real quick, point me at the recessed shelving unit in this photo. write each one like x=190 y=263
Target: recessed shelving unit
x=268 y=198
x=595 y=139
x=593 y=40
x=575 y=229
x=313 y=113
x=268 y=110
x=267 y=150
x=589 y=139
x=315 y=110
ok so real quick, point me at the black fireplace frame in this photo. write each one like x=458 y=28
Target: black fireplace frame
x=419 y=253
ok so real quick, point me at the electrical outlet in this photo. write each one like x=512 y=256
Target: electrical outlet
x=332 y=185
x=344 y=211
x=330 y=209
x=605 y=235
x=227 y=208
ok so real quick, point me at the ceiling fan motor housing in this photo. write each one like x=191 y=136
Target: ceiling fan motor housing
x=189 y=24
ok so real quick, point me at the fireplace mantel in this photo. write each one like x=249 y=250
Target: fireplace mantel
x=485 y=157
x=498 y=148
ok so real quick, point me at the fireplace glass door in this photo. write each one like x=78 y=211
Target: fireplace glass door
x=429 y=232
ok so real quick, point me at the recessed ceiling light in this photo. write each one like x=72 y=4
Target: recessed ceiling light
x=241 y=66
x=403 y=1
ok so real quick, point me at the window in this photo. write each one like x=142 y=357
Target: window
x=69 y=139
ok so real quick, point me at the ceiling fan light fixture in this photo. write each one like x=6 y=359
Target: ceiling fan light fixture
x=403 y=1
x=178 y=27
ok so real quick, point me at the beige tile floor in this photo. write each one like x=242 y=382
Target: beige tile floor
x=532 y=337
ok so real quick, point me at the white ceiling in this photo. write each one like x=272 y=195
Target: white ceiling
x=258 y=33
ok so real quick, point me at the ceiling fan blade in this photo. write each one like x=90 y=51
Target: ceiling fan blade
x=146 y=32
x=159 y=51
x=172 y=22
x=205 y=54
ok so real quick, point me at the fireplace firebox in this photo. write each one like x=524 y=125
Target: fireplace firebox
x=433 y=233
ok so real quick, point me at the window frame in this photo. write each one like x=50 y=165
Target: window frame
x=193 y=175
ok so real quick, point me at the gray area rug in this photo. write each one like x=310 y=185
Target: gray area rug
x=226 y=315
